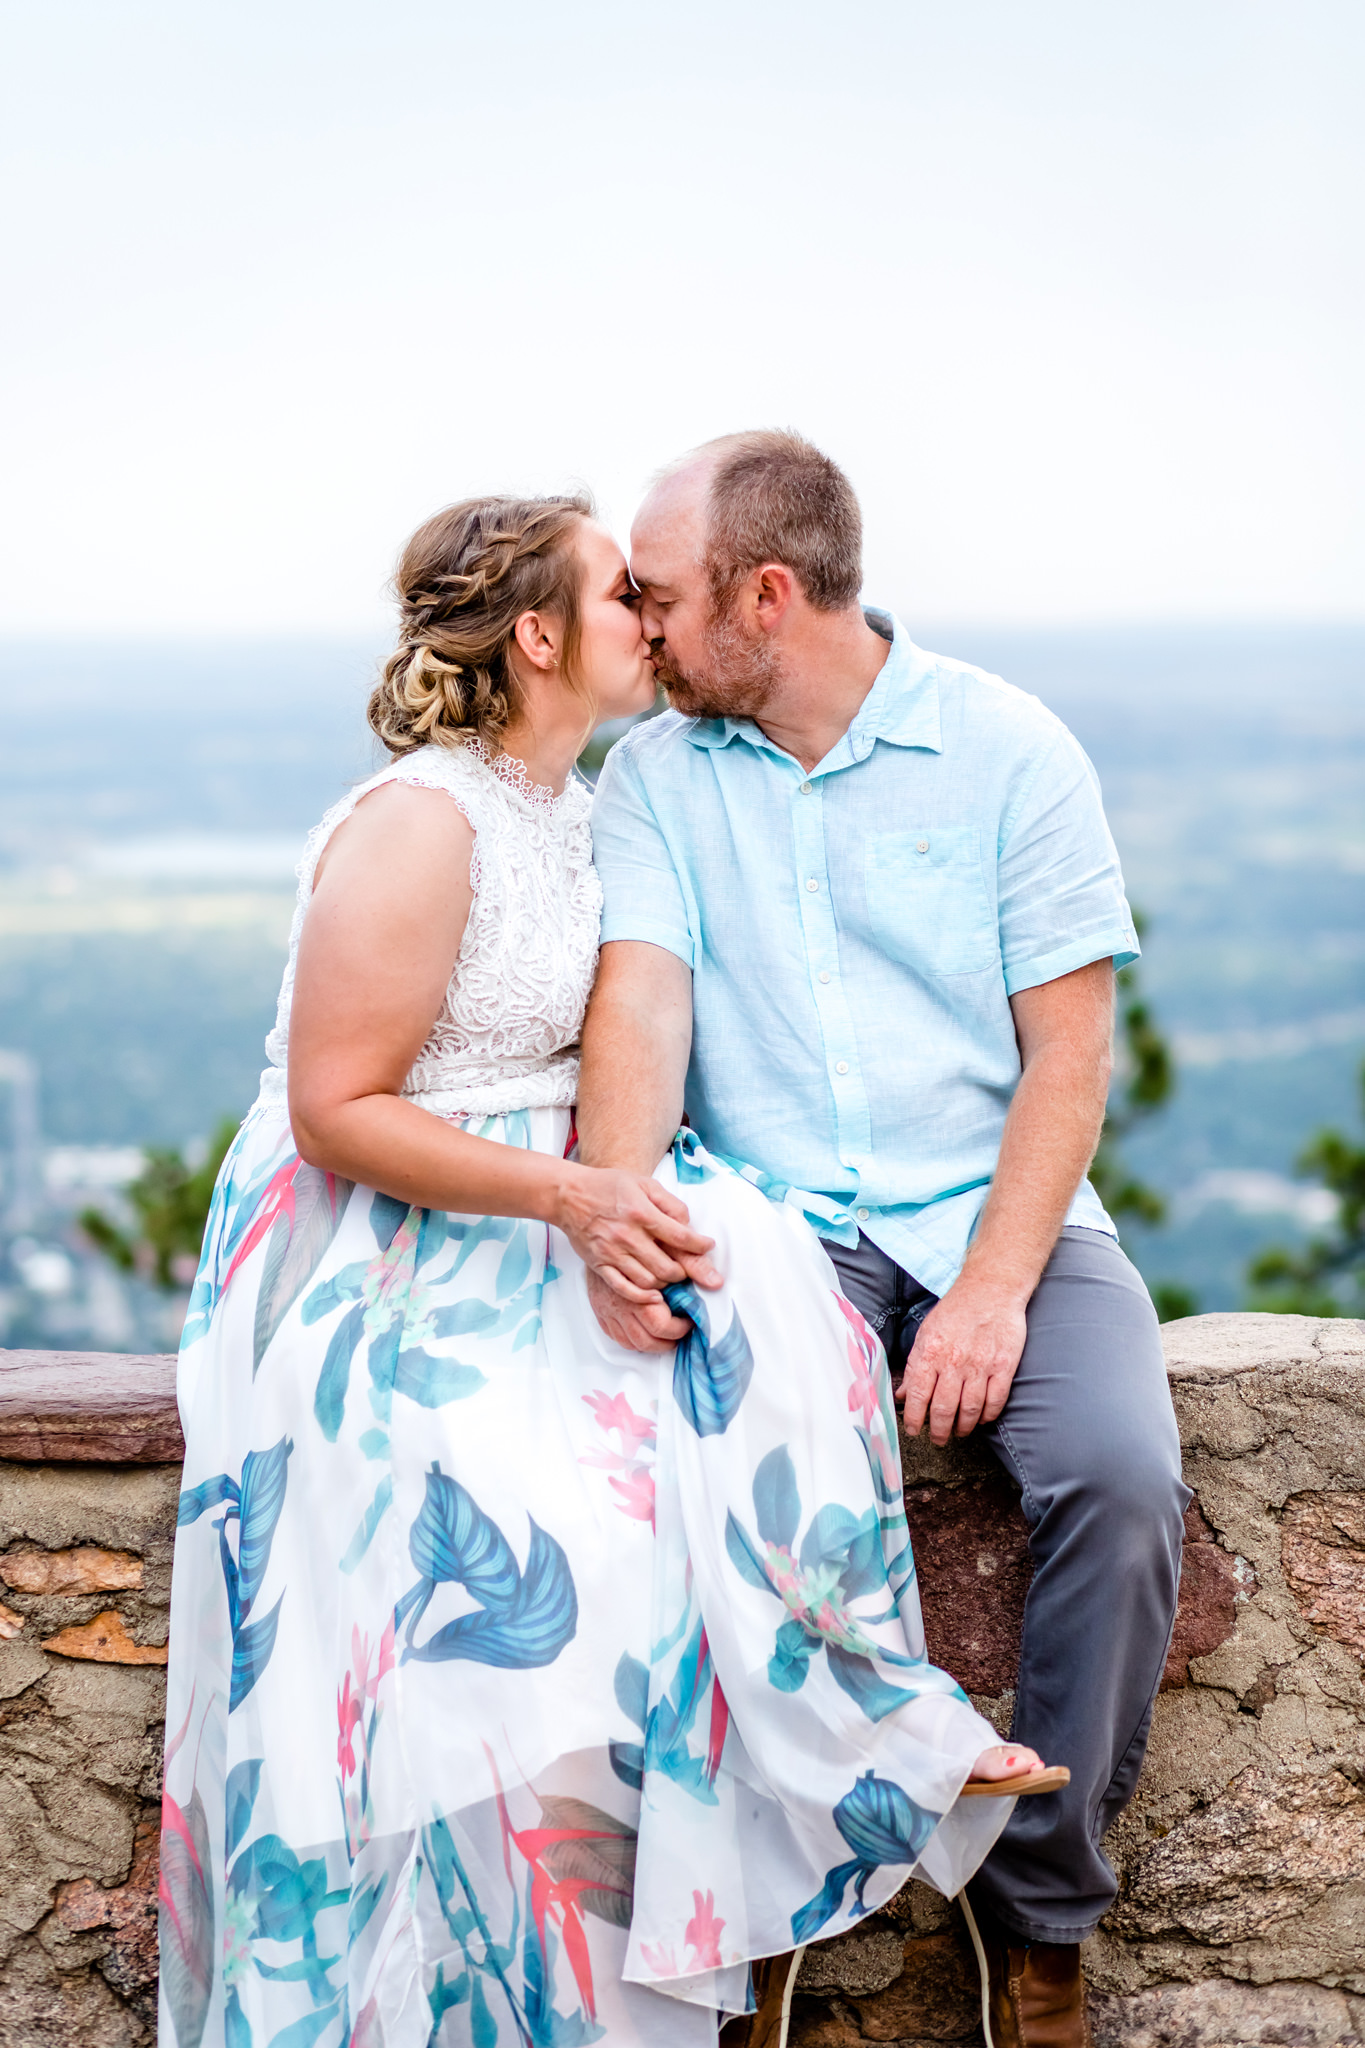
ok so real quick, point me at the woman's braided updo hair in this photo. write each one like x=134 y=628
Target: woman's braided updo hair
x=463 y=581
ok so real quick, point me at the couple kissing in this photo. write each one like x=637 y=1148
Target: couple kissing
x=546 y=1655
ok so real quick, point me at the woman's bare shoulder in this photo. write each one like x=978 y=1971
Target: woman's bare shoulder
x=409 y=827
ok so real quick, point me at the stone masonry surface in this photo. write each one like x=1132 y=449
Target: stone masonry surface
x=1241 y=1912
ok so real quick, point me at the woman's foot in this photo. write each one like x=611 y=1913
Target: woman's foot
x=1008 y=1769
x=1006 y=1760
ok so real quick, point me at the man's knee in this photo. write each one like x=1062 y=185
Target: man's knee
x=1131 y=1499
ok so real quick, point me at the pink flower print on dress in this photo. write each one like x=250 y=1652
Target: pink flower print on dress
x=660 y=1958
x=630 y=1473
x=614 y=1412
x=702 y=1933
x=359 y=1690
x=349 y=1716
x=869 y=1398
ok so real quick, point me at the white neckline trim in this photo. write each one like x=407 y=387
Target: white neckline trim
x=512 y=774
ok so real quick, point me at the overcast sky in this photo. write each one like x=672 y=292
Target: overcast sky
x=1071 y=287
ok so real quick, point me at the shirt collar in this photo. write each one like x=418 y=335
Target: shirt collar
x=901 y=708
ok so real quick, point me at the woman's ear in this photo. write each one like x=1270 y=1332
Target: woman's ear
x=538 y=638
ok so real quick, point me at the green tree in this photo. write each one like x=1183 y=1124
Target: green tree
x=170 y=1204
x=1147 y=1084
x=1321 y=1279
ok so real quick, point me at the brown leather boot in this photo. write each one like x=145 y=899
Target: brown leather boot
x=763 y=2028
x=1033 y=1991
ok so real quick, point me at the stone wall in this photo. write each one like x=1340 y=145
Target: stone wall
x=89 y=1478
x=1241 y=1914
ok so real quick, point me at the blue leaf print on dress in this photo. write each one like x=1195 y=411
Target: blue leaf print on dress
x=881 y=1824
x=243 y=1783
x=251 y=1648
x=264 y=1477
x=777 y=1499
x=710 y=1378
x=254 y=1504
x=329 y=1401
x=525 y=1617
x=668 y=1726
x=842 y=1559
x=388 y=1310
x=210 y=1493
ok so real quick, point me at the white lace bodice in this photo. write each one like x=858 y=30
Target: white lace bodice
x=507 y=1034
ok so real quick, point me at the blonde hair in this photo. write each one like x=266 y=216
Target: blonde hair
x=462 y=582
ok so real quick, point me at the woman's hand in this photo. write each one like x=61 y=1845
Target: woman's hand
x=631 y=1232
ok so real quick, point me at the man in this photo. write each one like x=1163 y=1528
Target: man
x=862 y=915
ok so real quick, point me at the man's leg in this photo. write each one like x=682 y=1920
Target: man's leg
x=1089 y=1434
x=889 y=1299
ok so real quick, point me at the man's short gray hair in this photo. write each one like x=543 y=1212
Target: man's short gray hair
x=775 y=497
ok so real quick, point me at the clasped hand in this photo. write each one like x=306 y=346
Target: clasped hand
x=635 y=1238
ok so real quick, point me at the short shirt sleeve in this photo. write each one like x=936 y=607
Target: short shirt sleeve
x=1062 y=902
x=642 y=892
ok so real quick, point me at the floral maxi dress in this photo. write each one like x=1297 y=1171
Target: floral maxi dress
x=524 y=1688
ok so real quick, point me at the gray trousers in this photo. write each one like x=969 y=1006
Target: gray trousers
x=1089 y=1436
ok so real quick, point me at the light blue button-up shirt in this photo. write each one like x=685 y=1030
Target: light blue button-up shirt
x=855 y=934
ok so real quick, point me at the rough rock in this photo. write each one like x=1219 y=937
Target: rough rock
x=1209 y=1586
x=128 y=1911
x=84 y=1570
x=1323 y=1552
x=105 y=1640
x=93 y=1406
x=1218 y=2013
x=972 y=1593
x=861 y=1963
x=1279 y=1840
x=934 y=1995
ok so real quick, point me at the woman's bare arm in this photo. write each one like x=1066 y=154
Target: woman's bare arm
x=636 y=1041
x=383 y=930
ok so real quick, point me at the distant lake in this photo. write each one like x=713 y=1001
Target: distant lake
x=153 y=798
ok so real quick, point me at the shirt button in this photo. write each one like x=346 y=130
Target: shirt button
x=841 y=1066
x=812 y=885
x=805 y=789
x=863 y=1215
x=824 y=979
x=921 y=846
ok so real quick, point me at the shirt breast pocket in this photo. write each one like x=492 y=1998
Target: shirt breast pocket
x=927 y=902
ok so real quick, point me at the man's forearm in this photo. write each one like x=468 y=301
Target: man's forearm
x=1048 y=1143
x=637 y=1040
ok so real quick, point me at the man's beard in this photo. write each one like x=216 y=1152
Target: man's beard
x=738 y=678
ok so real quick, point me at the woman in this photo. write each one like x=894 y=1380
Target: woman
x=523 y=1688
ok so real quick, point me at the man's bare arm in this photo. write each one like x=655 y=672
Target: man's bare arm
x=969 y=1347
x=637 y=1039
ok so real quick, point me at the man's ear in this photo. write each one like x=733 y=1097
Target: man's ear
x=538 y=639
x=774 y=587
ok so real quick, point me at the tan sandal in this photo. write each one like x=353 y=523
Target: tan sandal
x=1049 y=1780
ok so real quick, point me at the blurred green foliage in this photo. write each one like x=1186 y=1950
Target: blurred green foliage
x=1327 y=1277
x=170 y=1203
x=1147 y=1084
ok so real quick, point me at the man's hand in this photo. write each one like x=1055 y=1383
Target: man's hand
x=969 y=1346
x=964 y=1360
x=640 y=1326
